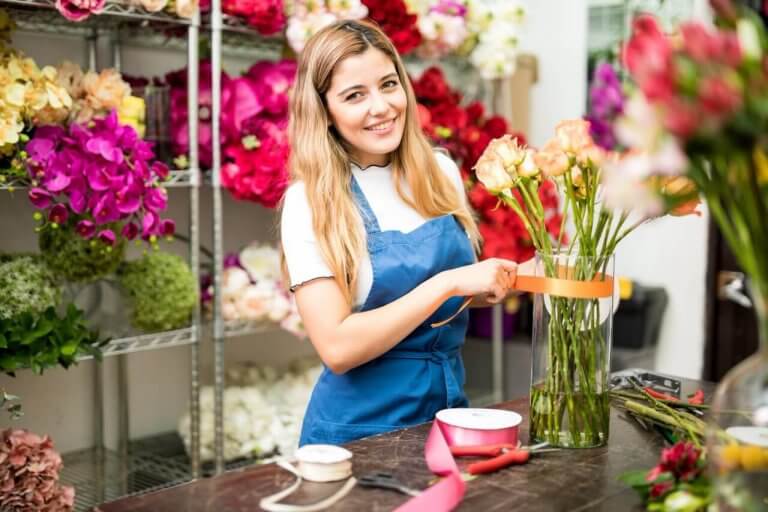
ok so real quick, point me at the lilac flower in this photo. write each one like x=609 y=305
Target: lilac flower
x=606 y=104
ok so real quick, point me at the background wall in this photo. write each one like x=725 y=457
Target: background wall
x=668 y=252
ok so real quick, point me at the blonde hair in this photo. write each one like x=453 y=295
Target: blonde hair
x=319 y=159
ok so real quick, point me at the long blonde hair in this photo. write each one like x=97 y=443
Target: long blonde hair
x=319 y=159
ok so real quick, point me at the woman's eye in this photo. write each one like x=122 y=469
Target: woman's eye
x=354 y=96
x=390 y=83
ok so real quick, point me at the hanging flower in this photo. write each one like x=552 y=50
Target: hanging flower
x=79 y=10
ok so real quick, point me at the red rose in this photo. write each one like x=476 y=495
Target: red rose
x=475 y=112
x=449 y=116
x=431 y=87
x=495 y=127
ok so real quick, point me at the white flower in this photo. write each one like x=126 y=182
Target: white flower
x=749 y=39
x=261 y=262
x=348 y=9
x=254 y=302
x=234 y=281
x=625 y=187
x=302 y=28
x=494 y=60
x=279 y=308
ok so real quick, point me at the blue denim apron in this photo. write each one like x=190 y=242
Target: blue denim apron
x=424 y=372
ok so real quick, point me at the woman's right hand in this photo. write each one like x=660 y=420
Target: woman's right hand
x=490 y=279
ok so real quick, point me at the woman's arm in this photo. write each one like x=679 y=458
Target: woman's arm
x=345 y=340
x=526 y=268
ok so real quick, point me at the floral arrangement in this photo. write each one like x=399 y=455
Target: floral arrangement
x=395 y=19
x=466 y=132
x=266 y=16
x=101 y=174
x=575 y=327
x=307 y=17
x=252 y=290
x=80 y=10
x=161 y=291
x=29 y=474
x=263 y=410
x=26 y=286
x=254 y=125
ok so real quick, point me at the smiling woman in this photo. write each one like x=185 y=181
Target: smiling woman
x=378 y=242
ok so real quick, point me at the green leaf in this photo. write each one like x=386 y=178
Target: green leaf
x=3 y=341
x=635 y=478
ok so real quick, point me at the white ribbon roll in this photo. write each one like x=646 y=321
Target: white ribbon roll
x=316 y=463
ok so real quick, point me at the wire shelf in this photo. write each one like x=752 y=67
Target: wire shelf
x=154 y=341
x=42 y=16
x=235 y=328
x=176 y=179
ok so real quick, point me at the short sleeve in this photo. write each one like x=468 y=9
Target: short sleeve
x=451 y=170
x=302 y=253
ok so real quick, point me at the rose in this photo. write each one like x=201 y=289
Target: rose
x=78 y=10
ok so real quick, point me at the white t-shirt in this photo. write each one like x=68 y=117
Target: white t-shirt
x=302 y=252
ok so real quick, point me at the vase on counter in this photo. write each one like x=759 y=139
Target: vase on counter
x=738 y=441
x=571 y=356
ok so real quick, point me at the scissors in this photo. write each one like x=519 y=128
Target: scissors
x=384 y=480
x=503 y=455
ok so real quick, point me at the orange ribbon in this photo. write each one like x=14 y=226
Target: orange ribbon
x=562 y=286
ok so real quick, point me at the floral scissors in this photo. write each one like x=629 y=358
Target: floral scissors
x=503 y=455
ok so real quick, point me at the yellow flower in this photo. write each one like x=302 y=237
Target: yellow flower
x=682 y=189
x=131 y=112
x=11 y=124
x=753 y=458
x=70 y=76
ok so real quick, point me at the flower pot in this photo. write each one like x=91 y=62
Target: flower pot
x=571 y=357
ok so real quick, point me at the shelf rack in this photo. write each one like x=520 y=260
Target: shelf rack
x=99 y=474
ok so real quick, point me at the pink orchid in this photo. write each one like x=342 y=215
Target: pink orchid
x=78 y=10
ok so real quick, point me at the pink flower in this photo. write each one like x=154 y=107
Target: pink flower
x=718 y=97
x=107 y=236
x=39 y=197
x=699 y=43
x=58 y=214
x=78 y=10
x=86 y=229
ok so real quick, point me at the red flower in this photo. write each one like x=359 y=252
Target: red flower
x=718 y=97
x=475 y=112
x=660 y=489
x=699 y=43
x=681 y=118
x=648 y=56
x=431 y=87
x=396 y=22
x=495 y=127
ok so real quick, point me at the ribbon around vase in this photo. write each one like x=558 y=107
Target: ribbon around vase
x=564 y=285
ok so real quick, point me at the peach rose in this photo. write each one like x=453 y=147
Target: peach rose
x=551 y=159
x=491 y=173
x=105 y=90
x=528 y=167
x=573 y=135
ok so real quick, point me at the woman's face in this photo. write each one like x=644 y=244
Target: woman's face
x=367 y=106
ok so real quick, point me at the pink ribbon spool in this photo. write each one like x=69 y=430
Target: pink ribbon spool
x=472 y=427
x=459 y=427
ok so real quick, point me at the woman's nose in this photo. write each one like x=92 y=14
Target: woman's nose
x=378 y=104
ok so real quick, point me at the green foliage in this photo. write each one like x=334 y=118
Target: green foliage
x=161 y=289
x=40 y=341
x=76 y=259
x=26 y=286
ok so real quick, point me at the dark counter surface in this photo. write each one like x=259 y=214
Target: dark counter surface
x=567 y=480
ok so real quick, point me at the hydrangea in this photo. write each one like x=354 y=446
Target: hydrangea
x=77 y=259
x=161 y=289
x=26 y=285
x=29 y=474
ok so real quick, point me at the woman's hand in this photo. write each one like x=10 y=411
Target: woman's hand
x=489 y=280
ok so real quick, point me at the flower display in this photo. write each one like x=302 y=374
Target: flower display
x=606 y=104
x=103 y=176
x=494 y=43
x=26 y=286
x=29 y=474
x=466 y=132
x=266 y=16
x=400 y=25
x=309 y=16
x=79 y=10
x=443 y=28
x=161 y=290
x=263 y=410
x=252 y=290
x=254 y=132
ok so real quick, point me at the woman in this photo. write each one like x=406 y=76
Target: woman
x=378 y=242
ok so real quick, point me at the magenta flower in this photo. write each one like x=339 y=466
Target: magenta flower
x=78 y=10
x=167 y=227
x=129 y=231
x=156 y=199
x=107 y=236
x=58 y=214
x=40 y=198
x=86 y=229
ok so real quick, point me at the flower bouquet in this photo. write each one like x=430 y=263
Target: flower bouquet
x=699 y=112
x=572 y=318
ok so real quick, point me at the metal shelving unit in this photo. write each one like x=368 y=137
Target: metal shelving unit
x=99 y=474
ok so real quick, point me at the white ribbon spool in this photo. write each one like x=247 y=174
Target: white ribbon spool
x=315 y=463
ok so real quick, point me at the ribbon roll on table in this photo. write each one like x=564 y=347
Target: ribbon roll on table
x=459 y=427
x=315 y=463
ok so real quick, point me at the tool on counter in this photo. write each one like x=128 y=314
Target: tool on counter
x=315 y=463
x=503 y=455
x=384 y=480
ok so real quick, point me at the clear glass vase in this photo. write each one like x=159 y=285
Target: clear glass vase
x=571 y=356
x=738 y=434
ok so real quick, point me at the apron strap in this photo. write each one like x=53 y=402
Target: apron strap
x=371 y=224
x=452 y=389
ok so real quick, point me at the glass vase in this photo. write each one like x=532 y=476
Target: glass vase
x=738 y=434
x=571 y=356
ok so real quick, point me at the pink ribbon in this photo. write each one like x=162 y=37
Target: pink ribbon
x=448 y=492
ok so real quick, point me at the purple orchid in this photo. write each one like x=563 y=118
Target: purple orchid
x=606 y=104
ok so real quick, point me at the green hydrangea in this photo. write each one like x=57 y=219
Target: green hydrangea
x=161 y=290
x=26 y=286
x=76 y=259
